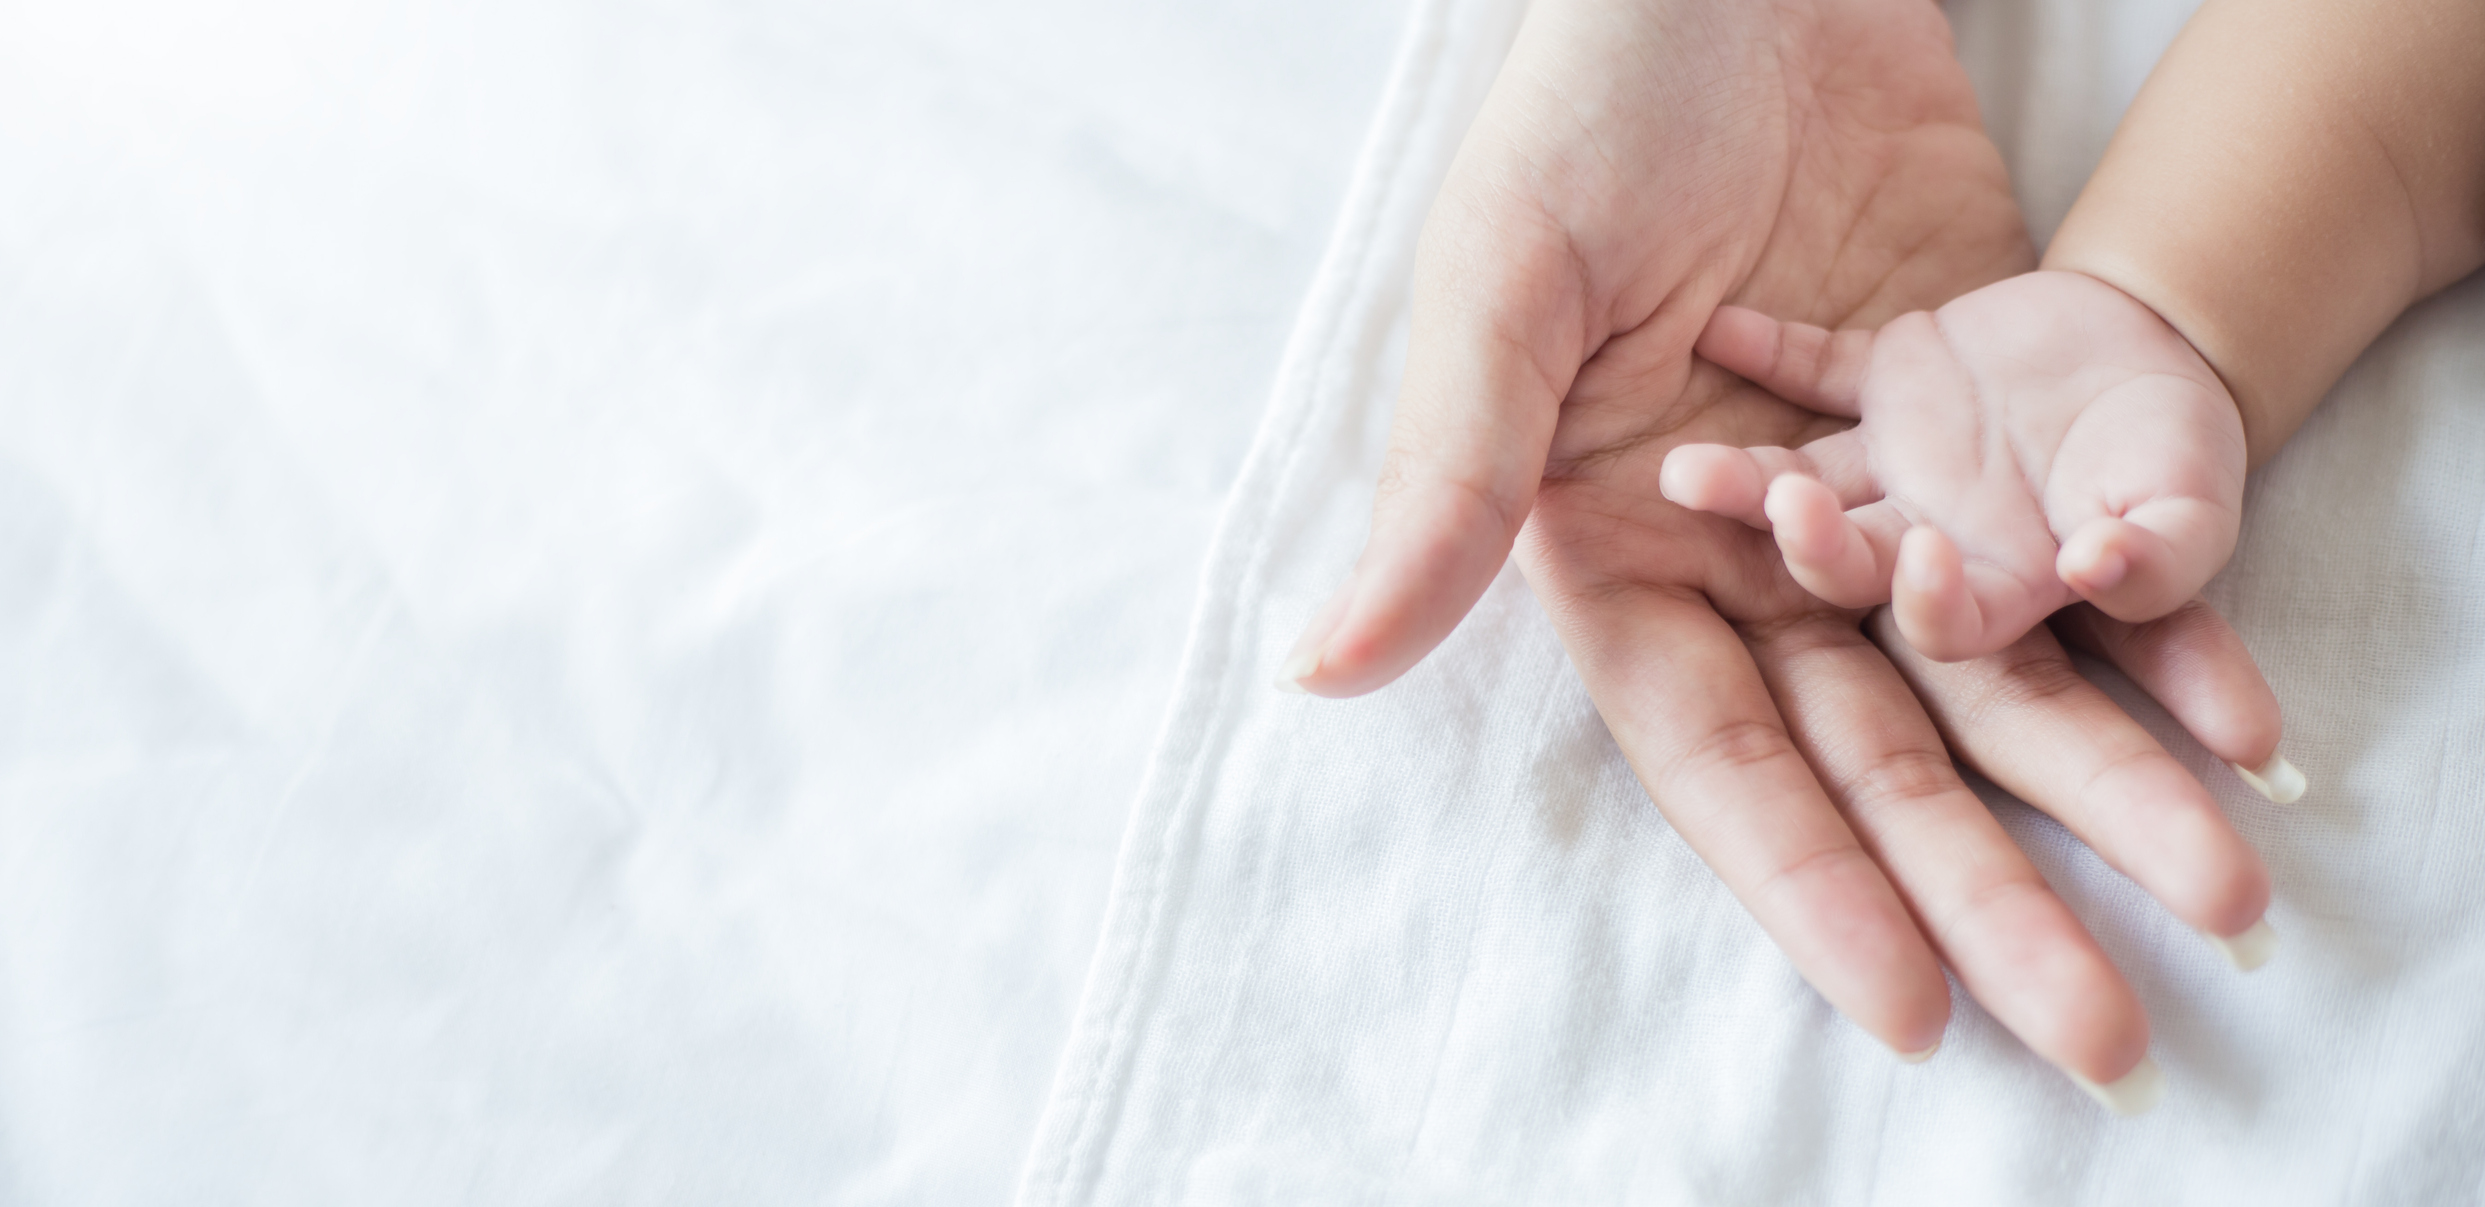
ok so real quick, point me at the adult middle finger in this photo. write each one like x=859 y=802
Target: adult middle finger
x=2014 y=944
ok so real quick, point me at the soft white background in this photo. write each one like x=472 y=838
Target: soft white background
x=585 y=587
x=586 y=590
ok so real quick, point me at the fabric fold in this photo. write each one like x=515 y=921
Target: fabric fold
x=1435 y=945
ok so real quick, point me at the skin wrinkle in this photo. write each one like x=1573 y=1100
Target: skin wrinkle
x=2096 y=811
x=1808 y=867
x=1880 y=178
x=1897 y=778
x=1979 y=903
x=2089 y=794
x=1731 y=746
x=1881 y=283
x=2126 y=504
x=1960 y=439
x=1880 y=174
x=2271 y=132
x=1588 y=130
x=1665 y=423
x=2407 y=200
x=2164 y=643
x=1848 y=236
x=2020 y=684
x=2018 y=465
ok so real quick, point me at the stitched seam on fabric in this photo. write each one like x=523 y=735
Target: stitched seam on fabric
x=1059 y=1159
x=1548 y=678
x=1355 y=336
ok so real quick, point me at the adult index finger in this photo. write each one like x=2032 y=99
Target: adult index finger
x=2031 y=724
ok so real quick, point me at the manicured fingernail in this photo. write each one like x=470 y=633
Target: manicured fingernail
x=1304 y=660
x=2277 y=779
x=1917 y=1058
x=1299 y=666
x=2252 y=948
x=2133 y=1093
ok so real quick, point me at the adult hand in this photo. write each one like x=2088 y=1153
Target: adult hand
x=1635 y=165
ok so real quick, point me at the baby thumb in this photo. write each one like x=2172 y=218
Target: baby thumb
x=2150 y=561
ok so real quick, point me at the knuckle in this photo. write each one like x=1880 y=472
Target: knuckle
x=1406 y=492
x=2108 y=793
x=1736 y=745
x=2033 y=682
x=1806 y=873
x=1999 y=900
x=1899 y=780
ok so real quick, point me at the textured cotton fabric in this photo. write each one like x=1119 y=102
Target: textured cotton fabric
x=585 y=587
x=588 y=591
x=1436 y=946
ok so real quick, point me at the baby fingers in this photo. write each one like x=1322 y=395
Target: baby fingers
x=1950 y=609
x=2151 y=560
x=1734 y=482
x=1842 y=557
x=1716 y=478
x=1809 y=366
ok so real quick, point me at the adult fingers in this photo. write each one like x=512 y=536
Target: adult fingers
x=2192 y=662
x=2027 y=720
x=1803 y=364
x=2011 y=941
x=1495 y=344
x=1687 y=706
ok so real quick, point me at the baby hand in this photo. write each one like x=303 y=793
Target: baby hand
x=2041 y=440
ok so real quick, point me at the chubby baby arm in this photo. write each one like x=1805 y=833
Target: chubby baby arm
x=2040 y=441
x=2294 y=174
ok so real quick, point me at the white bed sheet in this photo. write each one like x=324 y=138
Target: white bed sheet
x=1435 y=946
x=585 y=587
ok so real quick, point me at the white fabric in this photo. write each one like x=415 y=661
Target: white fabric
x=585 y=587
x=1435 y=946
x=585 y=590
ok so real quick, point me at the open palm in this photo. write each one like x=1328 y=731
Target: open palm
x=1636 y=165
x=2041 y=440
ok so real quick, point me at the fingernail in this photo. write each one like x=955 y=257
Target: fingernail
x=1304 y=660
x=1917 y=1058
x=1299 y=666
x=1917 y=566
x=2105 y=573
x=1671 y=473
x=1301 y=663
x=2251 y=949
x=2133 y=1093
x=2277 y=779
